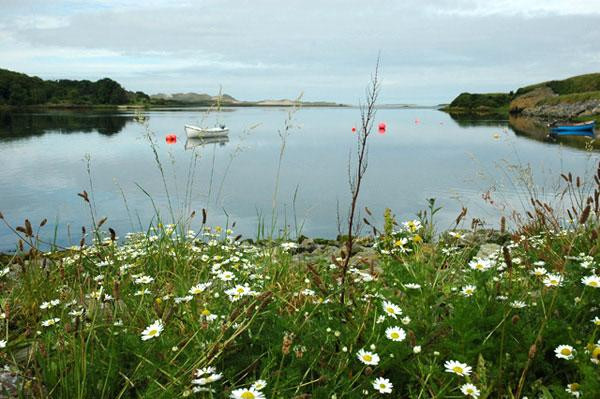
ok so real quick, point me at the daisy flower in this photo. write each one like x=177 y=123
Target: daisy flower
x=413 y=286
x=468 y=290
x=480 y=264
x=470 y=390
x=368 y=358
x=591 y=281
x=518 y=304
x=596 y=321
x=564 y=352
x=383 y=385
x=395 y=334
x=259 y=385
x=456 y=235
x=452 y=366
x=412 y=225
x=391 y=309
x=50 y=322
x=226 y=276
x=553 y=280
x=199 y=288
x=539 y=271
x=573 y=389
x=153 y=330
x=2 y=343
x=249 y=393
x=144 y=280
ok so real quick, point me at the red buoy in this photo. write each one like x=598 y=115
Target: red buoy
x=171 y=139
x=382 y=127
x=353 y=129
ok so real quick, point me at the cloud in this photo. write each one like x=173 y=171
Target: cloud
x=261 y=49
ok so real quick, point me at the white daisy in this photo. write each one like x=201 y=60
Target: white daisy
x=413 y=286
x=199 y=288
x=539 y=271
x=50 y=322
x=470 y=390
x=395 y=334
x=259 y=385
x=573 y=389
x=2 y=343
x=391 y=309
x=249 y=393
x=452 y=366
x=468 y=290
x=564 y=352
x=153 y=330
x=368 y=358
x=383 y=385
x=553 y=280
x=591 y=281
x=480 y=264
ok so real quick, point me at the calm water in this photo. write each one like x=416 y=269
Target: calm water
x=43 y=168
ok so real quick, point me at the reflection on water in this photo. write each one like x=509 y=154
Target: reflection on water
x=198 y=142
x=529 y=128
x=452 y=159
x=18 y=126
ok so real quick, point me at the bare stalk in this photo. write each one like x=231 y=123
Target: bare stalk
x=355 y=177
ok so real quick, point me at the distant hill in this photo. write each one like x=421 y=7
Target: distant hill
x=226 y=100
x=577 y=96
x=192 y=98
x=18 y=89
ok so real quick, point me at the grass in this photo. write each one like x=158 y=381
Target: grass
x=571 y=98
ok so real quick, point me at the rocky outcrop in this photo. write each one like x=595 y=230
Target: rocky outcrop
x=530 y=99
x=564 y=110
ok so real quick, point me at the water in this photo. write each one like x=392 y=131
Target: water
x=43 y=168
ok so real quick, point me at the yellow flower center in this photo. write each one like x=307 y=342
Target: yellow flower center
x=248 y=395
x=240 y=290
x=390 y=310
x=367 y=358
x=395 y=335
x=152 y=332
x=593 y=283
x=565 y=351
x=382 y=386
x=470 y=390
x=574 y=386
x=457 y=369
x=206 y=312
x=596 y=352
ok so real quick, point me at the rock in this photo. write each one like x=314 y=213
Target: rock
x=488 y=249
x=307 y=245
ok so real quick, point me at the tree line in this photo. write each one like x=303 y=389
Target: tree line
x=18 y=89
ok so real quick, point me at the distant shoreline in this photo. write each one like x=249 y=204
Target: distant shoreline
x=109 y=107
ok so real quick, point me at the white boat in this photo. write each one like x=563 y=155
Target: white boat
x=203 y=132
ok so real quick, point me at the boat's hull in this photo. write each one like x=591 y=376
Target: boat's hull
x=198 y=132
x=582 y=129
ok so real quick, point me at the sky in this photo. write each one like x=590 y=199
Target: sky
x=270 y=49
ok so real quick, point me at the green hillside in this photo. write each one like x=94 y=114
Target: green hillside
x=18 y=89
x=575 y=90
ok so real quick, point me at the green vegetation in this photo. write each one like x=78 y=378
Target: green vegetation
x=573 y=90
x=481 y=101
x=571 y=98
x=575 y=84
x=17 y=89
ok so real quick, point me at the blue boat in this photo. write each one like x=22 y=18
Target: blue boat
x=574 y=129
